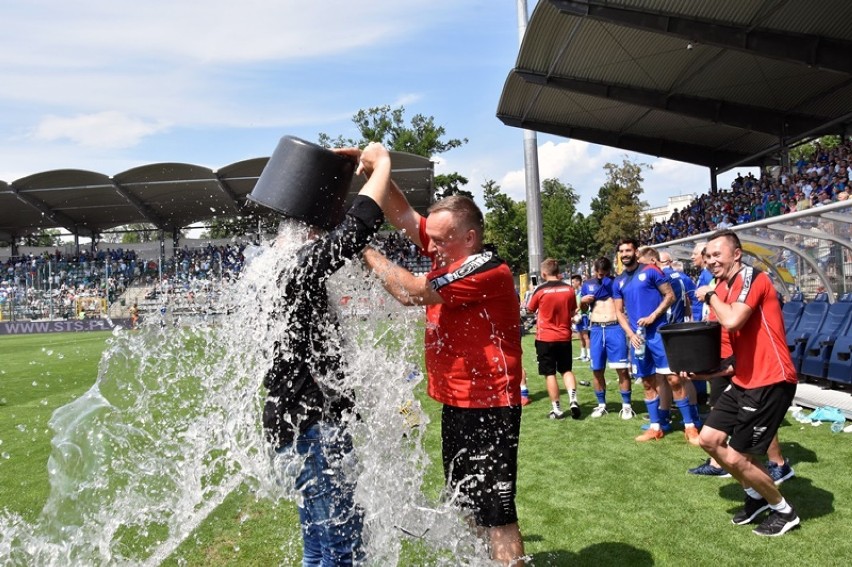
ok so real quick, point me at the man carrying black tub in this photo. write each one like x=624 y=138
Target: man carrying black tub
x=747 y=415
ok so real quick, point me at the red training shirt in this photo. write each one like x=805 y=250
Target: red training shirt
x=555 y=302
x=760 y=346
x=473 y=339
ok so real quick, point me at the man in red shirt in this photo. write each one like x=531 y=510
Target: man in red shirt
x=747 y=415
x=555 y=302
x=473 y=357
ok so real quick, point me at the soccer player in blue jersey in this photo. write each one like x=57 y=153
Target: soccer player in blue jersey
x=608 y=342
x=581 y=321
x=645 y=292
x=681 y=309
x=704 y=278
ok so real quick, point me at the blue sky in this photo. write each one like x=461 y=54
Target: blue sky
x=106 y=85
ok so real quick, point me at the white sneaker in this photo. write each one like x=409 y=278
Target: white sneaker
x=627 y=413
x=556 y=414
x=599 y=411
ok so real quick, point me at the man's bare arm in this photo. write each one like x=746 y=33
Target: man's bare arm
x=404 y=286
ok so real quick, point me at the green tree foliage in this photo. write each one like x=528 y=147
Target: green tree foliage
x=446 y=185
x=807 y=150
x=617 y=211
x=46 y=237
x=386 y=125
x=506 y=226
x=558 y=209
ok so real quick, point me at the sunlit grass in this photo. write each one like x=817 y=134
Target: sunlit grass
x=588 y=494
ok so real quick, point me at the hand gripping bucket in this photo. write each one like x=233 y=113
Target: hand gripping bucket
x=693 y=347
x=306 y=182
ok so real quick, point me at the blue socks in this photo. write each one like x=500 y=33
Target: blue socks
x=653 y=409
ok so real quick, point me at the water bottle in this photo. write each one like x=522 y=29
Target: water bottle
x=639 y=351
x=837 y=426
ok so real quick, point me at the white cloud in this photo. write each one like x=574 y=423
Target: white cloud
x=108 y=129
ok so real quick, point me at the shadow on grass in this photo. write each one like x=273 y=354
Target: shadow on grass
x=810 y=501
x=610 y=553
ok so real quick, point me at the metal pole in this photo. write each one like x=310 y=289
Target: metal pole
x=535 y=238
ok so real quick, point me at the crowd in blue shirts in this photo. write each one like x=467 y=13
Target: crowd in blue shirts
x=810 y=182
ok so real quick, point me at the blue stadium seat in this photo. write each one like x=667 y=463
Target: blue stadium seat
x=792 y=310
x=846 y=297
x=809 y=323
x=817 y=352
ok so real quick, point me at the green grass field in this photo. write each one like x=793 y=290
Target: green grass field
x=588 y=494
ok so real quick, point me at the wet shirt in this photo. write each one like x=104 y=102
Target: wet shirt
x=760 y=346
x=556 y=303
x=640 y=292
x=473 y=339
x=296 y=400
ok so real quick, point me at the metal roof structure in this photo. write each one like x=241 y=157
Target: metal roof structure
x=170 y=196
x=722 y=84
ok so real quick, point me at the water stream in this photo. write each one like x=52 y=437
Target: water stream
x=172 y=426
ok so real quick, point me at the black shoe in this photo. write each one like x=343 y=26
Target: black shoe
x=575 y=410
x=753 y=508
x=777 y=524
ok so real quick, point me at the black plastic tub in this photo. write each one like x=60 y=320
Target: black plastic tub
x=693 y=347
x=305 y=181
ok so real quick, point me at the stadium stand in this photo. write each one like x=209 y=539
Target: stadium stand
x=792 y=310
x=809 y=323
x=840 y=360
x=817 y=352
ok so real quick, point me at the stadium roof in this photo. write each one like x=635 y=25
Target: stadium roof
x=167 y=195
x=720 y=84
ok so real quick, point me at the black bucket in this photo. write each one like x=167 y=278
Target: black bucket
x=306 y=182
x=693 y=347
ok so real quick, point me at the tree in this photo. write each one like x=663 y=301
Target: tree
x=44 y=238
x=807 y=150
x=618 y=208
x=558 y=209
x=446 y=185
x=383 y=124
x=421 y=137
x=506 y=226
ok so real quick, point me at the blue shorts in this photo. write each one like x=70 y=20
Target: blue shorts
x=654 y=361
x=583 y=324
x=608 y=344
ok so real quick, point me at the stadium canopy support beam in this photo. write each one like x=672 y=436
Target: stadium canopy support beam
x=143 y=209
x=818 y=131
x=55 y=216
x=805 y=49
x=713 y=110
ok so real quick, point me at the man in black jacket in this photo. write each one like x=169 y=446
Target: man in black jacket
x=308 y=400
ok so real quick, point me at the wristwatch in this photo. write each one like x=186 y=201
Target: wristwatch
x=708 y=295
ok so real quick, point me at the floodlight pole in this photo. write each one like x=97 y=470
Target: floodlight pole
x=535 y=239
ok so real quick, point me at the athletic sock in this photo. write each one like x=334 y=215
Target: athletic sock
x=572 y=395
x=783 y=506
x=665 y=415
x=625 y=397
x=556 y=407
x=601 y=396
x=654 y=411
x=693 y=411
x=683 y=407
x=525 y=392
x=752 y=493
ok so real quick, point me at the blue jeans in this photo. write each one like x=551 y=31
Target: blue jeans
x=331 y=522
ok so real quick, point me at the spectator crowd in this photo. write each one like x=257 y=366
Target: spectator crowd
x=811 y=182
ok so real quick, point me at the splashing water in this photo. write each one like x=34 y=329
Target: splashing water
x=172 y=426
